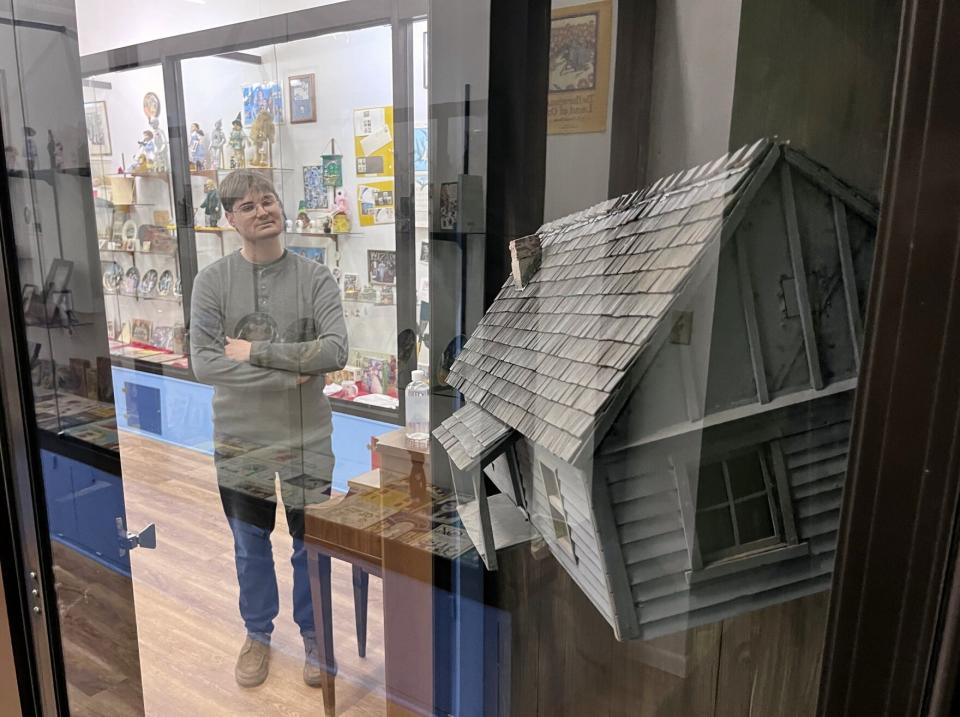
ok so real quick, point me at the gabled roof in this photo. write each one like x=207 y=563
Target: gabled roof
x=546 y=360
x=468 y=434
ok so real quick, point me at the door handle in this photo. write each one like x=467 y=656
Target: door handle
x=146 y=538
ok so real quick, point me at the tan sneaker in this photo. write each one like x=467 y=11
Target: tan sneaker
x=253 y=665
x=313 y=671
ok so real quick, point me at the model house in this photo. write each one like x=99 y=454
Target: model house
x=663 y=389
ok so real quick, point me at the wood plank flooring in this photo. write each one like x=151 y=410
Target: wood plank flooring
x=186 y=595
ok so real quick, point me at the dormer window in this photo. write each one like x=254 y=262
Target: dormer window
x=737 y=507
x=558 y=516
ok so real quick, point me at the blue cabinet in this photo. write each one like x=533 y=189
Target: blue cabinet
x=180 y=412
x=84 y=505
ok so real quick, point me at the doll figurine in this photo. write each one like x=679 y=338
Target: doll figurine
x=238 y=144
x=262 y=134
x=143 y=160
x=31 y=147
x=211 y=204
x=160 y=146
x=217 y=140
x=197 y=150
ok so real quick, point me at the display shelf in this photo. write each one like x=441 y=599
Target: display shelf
x=138 y=297
x=138 y=251
x=222 y=172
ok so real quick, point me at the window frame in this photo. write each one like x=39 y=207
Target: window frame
x=556 y=510
x=784 y=545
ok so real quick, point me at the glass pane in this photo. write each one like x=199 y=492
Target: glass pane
x=746 y=475
x=715 y=530
x=260 y=245
x=753 y=519
x=712 y=489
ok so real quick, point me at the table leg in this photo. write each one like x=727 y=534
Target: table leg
x=361 y=586
x=320 y=590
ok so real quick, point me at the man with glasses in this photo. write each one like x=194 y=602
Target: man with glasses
x=265 y=325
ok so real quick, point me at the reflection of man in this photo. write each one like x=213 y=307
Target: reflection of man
x=265 y=325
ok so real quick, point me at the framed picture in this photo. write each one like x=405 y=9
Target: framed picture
x=98 y=128
x=579 y=68
x=264 y=96
x=303 y=98
x=382 y=266
x=449 y=206
x=315 y=194
x=351 y=284
x=313 y=253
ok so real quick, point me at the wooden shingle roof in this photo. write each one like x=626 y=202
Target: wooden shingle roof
x=468 y=434
x=546 y=360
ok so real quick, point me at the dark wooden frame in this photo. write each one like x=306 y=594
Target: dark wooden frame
x=892 y=635
x=311 y=80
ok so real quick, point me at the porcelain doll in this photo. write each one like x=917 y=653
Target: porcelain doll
x=197 y=150
x=160 y=146
x=217 y=140
x=238 y=144
x=144 y=159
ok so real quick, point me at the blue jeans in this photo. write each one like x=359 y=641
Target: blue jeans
x=249 y=496
x=259 y=597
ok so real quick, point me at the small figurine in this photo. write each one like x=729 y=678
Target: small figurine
x=217 y=140
x=160 y=146
x=197 y=150
x=55 y=150
x=143 y=160
x=212 y=204
x=31 y=147
x=238 y=144
x=262 y=134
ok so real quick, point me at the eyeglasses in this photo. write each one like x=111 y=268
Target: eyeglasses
x=248 y=208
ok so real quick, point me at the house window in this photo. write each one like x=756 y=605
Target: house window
x=557 y=515
x=737 y=508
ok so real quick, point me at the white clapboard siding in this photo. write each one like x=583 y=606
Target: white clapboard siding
x=749 y=603
x=586 y=565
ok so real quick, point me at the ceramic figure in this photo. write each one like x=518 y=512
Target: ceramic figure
x=238 y=144
x=211 y=204
x=262 y=134
x=160 y=146
x=197 y=151
x=217 y=140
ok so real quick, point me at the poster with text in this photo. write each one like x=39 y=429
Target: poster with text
x=579 y=68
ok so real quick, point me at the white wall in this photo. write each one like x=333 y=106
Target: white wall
x=695 y=59
x=107 y=24
x=578 y=165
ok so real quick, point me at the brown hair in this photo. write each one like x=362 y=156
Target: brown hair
x=235 y=186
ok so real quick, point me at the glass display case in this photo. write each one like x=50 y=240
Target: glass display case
x=316 y=117
x=133 y=201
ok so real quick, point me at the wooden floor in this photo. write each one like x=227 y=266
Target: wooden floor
x=186 y=594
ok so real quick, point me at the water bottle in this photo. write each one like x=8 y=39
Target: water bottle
x=418 y=410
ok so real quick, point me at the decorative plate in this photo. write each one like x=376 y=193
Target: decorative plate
x=149 y=282
x=151 y=105
x=165 y=285
x=131 y=281
x=112 y=277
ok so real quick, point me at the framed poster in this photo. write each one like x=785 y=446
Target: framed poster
x=373 y=141
x=375 y=203
x=579 y=68
x=382 y=266
x=303 y=98
x=264 y=96
x=315 y=194
x=98 y=128
x=313 y=253
x=449 y=206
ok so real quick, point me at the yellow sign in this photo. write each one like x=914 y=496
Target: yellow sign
x=373 y=141
x=579 y=68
